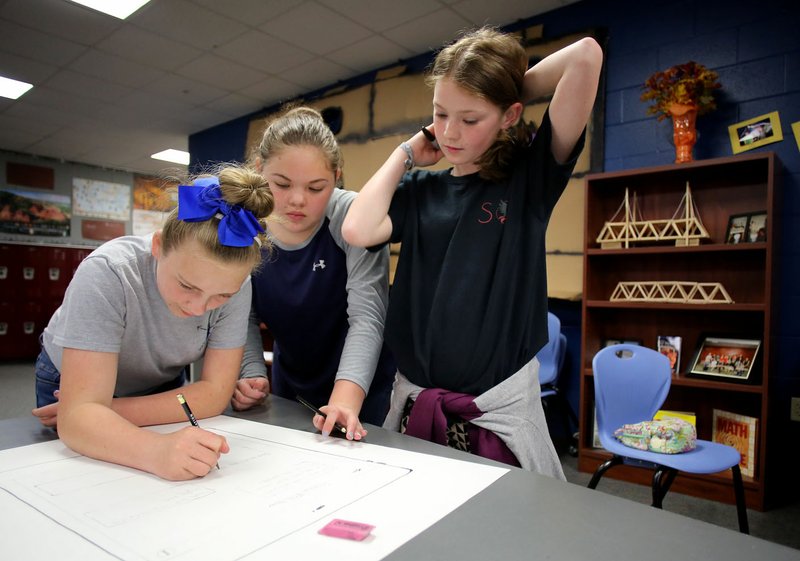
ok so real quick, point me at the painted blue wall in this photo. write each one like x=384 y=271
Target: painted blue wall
x=755 y=48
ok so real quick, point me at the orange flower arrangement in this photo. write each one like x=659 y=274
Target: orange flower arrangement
x=686 y=84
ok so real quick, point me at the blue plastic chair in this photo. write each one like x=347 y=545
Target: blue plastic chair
x=551 y=361
x=630 y=385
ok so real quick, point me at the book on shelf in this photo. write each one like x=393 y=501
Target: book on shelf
x=738 y=431
x=687 y=416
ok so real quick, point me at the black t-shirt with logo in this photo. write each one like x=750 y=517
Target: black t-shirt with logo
x=468 y=306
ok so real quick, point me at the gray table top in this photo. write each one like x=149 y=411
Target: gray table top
x=522 y=515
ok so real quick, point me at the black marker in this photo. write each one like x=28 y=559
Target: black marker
x=192 y=419
x=431 y=137
x=336 y=425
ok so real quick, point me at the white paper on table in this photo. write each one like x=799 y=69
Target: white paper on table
x=276 y=488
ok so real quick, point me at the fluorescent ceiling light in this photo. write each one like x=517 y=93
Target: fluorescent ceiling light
x=172 y=155
x=12 y=89
x=117 y=8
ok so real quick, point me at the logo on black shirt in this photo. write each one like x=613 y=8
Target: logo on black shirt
x=320 y=264
x=492 y=211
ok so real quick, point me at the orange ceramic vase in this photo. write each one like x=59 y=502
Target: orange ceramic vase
x=684 y=132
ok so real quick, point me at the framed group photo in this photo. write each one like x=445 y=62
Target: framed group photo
x=720 y=357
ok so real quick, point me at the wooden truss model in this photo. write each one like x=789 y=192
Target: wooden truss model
x=685 y=226
x=672 y=291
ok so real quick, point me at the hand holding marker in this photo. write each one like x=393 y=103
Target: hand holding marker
x=188 y=411
x=336 y=425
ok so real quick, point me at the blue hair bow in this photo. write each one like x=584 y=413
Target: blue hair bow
x=202 y=200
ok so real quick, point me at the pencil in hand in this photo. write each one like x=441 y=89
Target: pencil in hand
x=188 y=411
x=316 y=410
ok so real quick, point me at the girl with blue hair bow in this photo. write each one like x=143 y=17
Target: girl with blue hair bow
x=141 y=308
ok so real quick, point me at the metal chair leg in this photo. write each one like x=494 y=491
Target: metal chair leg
x=607 y=465
x=741 y=507
x=662 y=481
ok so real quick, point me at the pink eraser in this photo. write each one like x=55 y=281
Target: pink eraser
x=346 y=529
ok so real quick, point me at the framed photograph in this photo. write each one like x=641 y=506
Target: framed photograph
x=719 y=357
x=670 y=347
x=737 y=228
x=757 y=227
x=761 y=130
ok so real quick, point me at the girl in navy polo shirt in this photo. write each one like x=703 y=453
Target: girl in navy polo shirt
x=323 y=300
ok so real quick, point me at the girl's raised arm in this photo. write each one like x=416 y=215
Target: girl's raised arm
x=571 y=75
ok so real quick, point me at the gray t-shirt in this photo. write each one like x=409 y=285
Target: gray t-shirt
x=113 y=305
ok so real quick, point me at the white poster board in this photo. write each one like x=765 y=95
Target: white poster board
x=276 y=488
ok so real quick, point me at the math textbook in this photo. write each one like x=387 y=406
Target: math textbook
x=740 y=432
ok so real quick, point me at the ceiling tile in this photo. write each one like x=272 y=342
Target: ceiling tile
x=428 y=33
x=16 y=140
x=197 y=119
x=189 y=23
x=264 y=52
x=322 y=29
x=34 y=45
x=148 y=48
x=61 y=19
x=150 y=107
x=236 y=105
x=115 y=69
x=382 y=14
x=25 y=69
x=74 y=108
x=370 y=54
x=271 y=91
x=220 y=72
x=499 y=12
x=183 y=88
x=18 y=122
x=80 y=85
x=317 y=74
x=250 y=12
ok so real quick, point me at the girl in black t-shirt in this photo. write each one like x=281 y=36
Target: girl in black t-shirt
x=468 y=308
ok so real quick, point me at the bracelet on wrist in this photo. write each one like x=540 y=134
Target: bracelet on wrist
x=409 y=163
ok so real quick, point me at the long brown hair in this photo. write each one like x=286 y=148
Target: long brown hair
x=491 y=65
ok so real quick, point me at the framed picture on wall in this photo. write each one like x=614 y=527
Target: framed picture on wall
x=755 y=132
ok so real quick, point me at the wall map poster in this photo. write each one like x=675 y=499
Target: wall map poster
x=101 y=199
x=33 y=213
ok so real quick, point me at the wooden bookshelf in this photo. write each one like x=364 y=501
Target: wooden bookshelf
x=720 y=188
